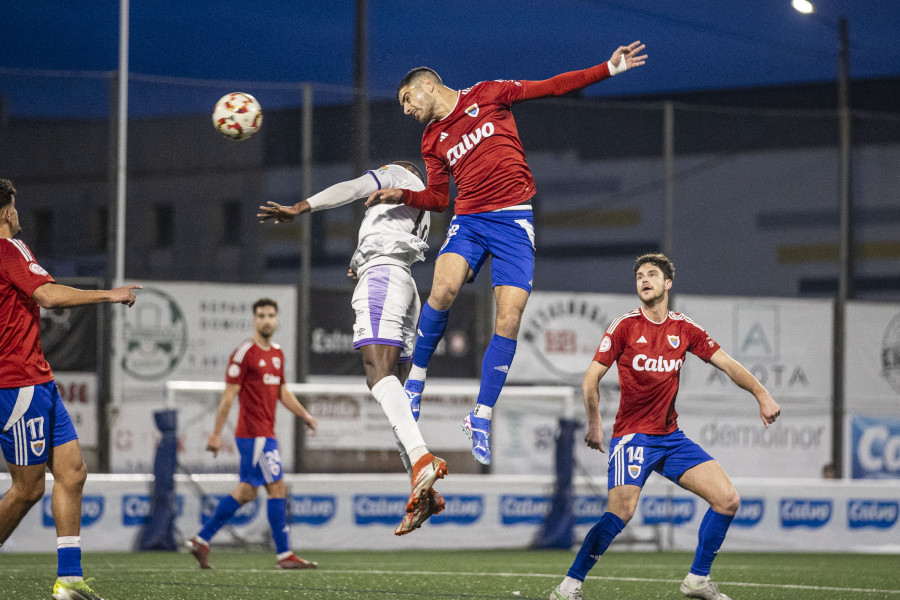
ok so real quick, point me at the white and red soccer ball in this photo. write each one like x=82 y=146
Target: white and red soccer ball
x=237 y=116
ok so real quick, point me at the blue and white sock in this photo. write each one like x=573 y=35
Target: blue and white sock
x=431 y=328
x=712 y=532
x=494 y=368
x=68 y=557
x=595 y=544
x=277 y=512
x=225 y=510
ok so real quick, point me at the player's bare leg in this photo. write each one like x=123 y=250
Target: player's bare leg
x=709 y=481
x=495 y=366
x=451 y=271
x=69 y=475
x=26 y=489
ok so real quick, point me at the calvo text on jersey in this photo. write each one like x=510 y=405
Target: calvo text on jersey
x=642 y=362
x=469 y=141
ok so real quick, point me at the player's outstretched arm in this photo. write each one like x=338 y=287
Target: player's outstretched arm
x=54 y=295
x=214 y=441
x=385 y=196
x=280 y=213
x=590 y=387
x=292 y=404
x=768 y=408
x=627 y=57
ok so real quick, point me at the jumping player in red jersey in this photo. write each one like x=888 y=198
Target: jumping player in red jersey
x=471 y=135
x=36 y=432
x=255 y=374
x=649 y=346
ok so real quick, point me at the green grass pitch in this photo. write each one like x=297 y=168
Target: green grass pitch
x=442 y=575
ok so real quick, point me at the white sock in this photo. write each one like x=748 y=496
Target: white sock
x=416 y=453
x=569 y=585
x=404 y=458
x=483 y=412
x=71 y=578
x=68 y=541
x=283 y=555
x=417 y=373
x=696 y=580
x=395 y=404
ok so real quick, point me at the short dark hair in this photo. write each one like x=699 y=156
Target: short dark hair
x=417 y=74
x=264 y=302
x=657 y=259
x=411 y=167
x=7 y=191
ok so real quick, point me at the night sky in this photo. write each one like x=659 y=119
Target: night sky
x=692 y=45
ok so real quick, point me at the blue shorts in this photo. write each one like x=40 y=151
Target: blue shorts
x=634 y=456
x=260 y=460
x=506 y=235
x=33 y=420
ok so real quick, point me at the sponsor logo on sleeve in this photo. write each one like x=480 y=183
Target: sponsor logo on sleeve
x=805 y=512
x=661 y=509
x=244 y=515
x=880 y=514
x=311 y=510
x=750 y=513
x=523 y=510
x=91 y=510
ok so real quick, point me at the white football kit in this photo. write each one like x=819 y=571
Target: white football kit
x=391 y=238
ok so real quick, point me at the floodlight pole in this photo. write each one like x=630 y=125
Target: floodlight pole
x=845 y=252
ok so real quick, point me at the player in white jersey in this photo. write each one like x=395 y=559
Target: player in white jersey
x=386 y=301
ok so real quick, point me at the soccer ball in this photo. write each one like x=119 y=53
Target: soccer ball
x=237 y=116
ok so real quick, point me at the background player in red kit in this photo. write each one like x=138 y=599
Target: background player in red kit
x=471 y=135
x=36 y=432
x=256 y=375
x=649 y=347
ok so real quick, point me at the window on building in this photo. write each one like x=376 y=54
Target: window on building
x=42 y=234
x=231 y=223
x=164 y=218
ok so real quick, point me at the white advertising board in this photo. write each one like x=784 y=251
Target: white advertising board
x=186 y=331
x=359 y=512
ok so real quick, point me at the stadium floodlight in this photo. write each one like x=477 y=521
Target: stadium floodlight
x=803 y=6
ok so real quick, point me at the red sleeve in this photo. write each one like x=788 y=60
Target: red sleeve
x=564 y=83
x=435 y=198
x=610 y=346
x=21 y=270
x=235 y=371
x=701 y=343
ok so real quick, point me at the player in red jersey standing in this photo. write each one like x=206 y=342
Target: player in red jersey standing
x=649 y=347
x=256 y=375
x=36 y=432
x=471 y=135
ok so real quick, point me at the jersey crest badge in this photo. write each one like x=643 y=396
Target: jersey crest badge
x=674 y=341
x=37 y=447
x=444 y=135
x=634 y=471
x=277 y=362
x=605 y=344
x=472 y=111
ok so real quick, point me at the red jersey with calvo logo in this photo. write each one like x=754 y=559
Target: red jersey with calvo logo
x=259 y=371
x=649 y=359
x=478 y=144
x=22 y=361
